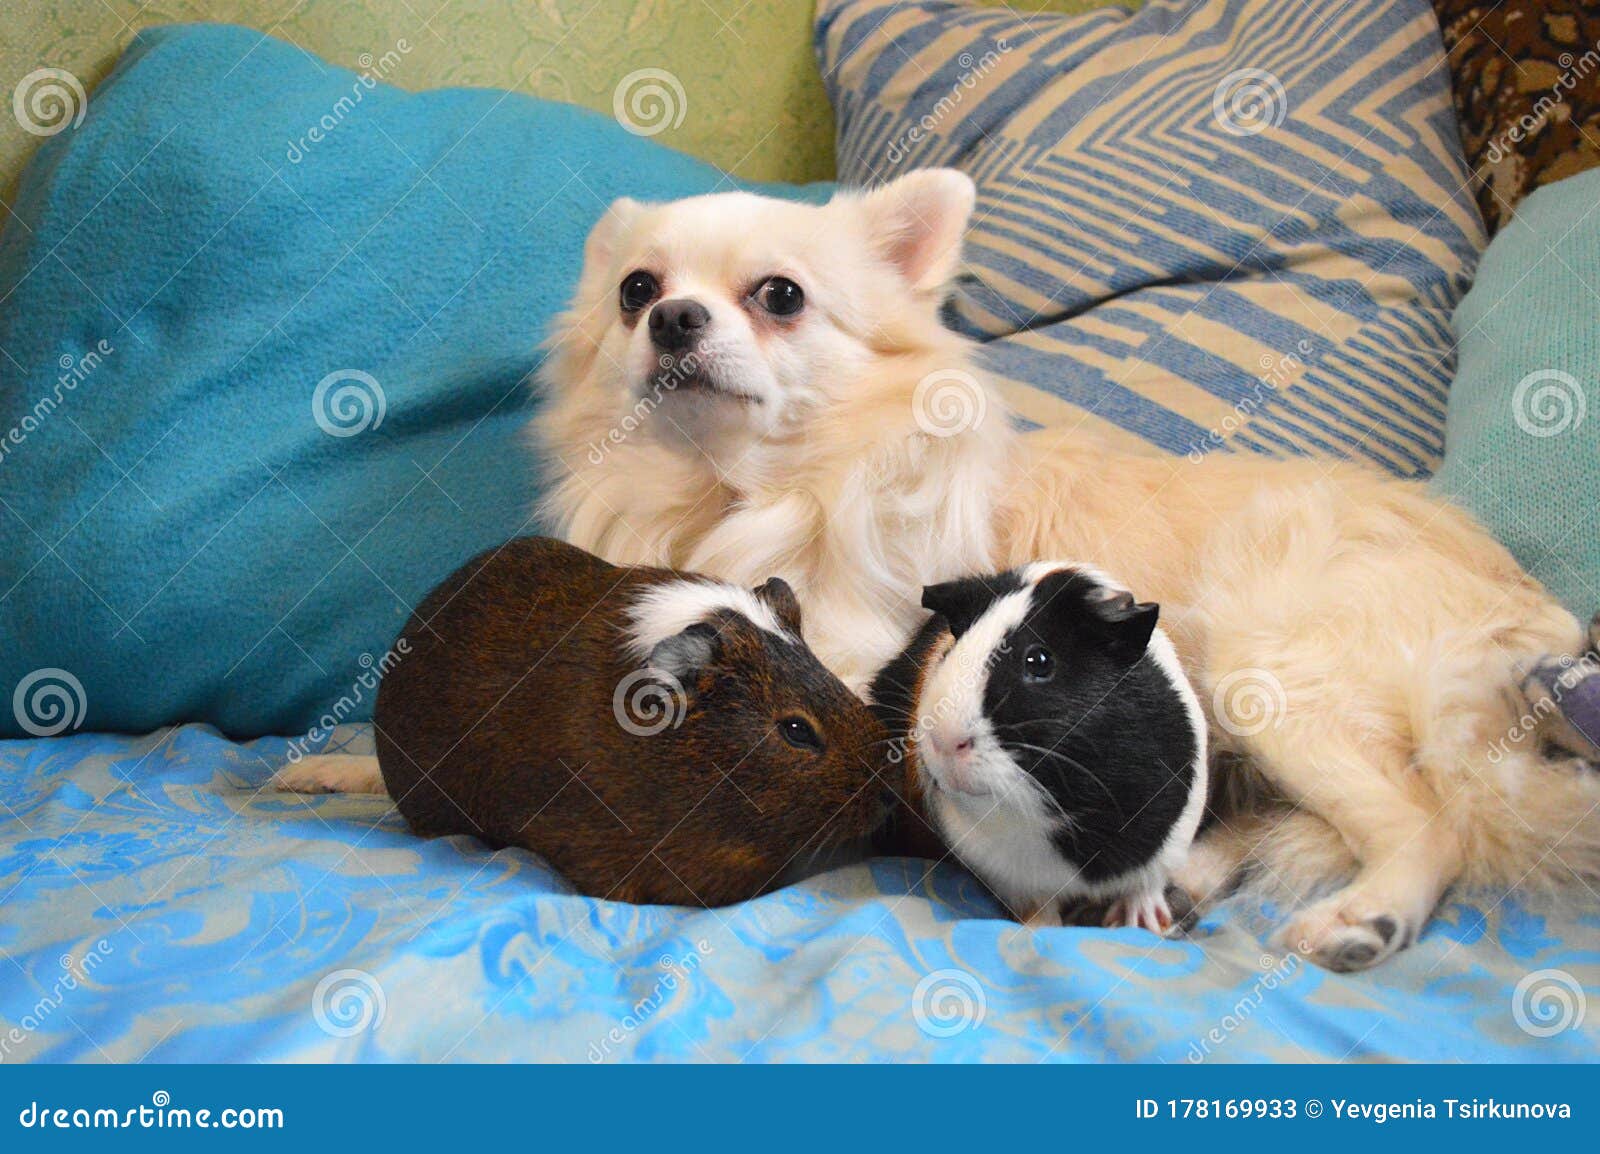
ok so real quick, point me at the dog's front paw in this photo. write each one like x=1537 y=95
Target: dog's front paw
x=1185 y=910
x=1344 y=937
x=331 y=773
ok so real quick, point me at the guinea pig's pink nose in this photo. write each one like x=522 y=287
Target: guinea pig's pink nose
x=948 y=744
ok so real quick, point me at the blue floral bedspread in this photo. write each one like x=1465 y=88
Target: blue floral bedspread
x=159 y=901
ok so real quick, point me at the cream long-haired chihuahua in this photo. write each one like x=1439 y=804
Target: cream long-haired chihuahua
x=751 y=387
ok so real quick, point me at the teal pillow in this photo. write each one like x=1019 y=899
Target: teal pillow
x=1522 y=447
x=265 y=342
x=1205 y=225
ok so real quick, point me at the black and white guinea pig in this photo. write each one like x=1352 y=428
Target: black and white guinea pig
x=1051 y=741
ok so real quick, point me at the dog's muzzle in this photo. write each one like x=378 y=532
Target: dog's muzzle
x=677 y=325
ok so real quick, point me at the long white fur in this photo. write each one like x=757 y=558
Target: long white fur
x=667 y=609
x=1395 y=626
x=838 y=490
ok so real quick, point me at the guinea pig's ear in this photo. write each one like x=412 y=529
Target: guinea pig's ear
x=685 y=654
x=959 y=602
x=776 y=595
x=1128 y=624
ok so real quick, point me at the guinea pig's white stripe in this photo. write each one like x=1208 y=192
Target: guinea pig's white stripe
x=1176 y=846
x=953 y=695
x=960 y=681
x=665 y=610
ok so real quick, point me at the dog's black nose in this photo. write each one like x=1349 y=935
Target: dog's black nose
x=676 y=325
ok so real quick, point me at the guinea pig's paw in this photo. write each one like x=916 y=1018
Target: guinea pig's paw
x=331 y=773
x=1146 y=910
x=1343 y=936
x=1046 y=916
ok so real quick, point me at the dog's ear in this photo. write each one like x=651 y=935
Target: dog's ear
x=916 y=223
x=602 y=243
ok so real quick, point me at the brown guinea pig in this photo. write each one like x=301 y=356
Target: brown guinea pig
x=656 y=736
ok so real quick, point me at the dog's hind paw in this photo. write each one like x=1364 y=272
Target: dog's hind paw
x=1343 y=938
x=1564 y=695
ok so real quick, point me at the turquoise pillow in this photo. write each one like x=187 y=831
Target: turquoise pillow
x=265 y=339
x=1522 y=447
x=1205 y=225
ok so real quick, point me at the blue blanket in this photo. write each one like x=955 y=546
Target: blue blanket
x=160 y=902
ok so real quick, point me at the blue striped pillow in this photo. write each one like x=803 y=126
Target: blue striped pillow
x=1235 y=225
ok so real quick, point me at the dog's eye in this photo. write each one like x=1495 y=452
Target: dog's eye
x=638 y=289
x=797 y=731
x=781 y=297
x=1038 y=664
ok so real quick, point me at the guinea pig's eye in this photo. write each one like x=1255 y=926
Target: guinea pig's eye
x=1038 y=664
x=780 y=296
x=639 y=288
x=797 y=731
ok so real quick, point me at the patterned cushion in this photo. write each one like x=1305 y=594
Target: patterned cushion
x=1524 y=74
x=1236 y=225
